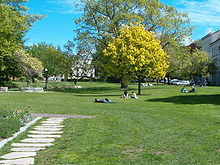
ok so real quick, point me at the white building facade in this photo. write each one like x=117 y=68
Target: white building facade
x=211 y=44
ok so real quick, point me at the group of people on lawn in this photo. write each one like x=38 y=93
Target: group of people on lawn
x=126 y=95
x=192 y=90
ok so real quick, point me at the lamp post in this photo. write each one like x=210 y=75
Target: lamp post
x=46 y=77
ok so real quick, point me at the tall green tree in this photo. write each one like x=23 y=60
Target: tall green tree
x=52 y=58
x=14 y=23
x=102 y=20
x=21 y=64
x=187 y=63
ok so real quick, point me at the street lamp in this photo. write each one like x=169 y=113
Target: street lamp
x=46 y=77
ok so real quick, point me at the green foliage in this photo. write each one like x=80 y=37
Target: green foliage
x=135 y=53
x=11 y=121
x=8 y=127
x=14 y=23
x=102 y=20
x=52 y=58
x=186 y=63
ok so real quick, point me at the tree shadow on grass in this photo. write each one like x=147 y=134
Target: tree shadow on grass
x=90 y=90
x=96 y=95
x=93 y=90
x=190 y=99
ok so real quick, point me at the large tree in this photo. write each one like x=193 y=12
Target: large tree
x=52 y=58
x=135 y=53
x=188 y=63
x=21 y=64
x=14 y=23
x=102 y=20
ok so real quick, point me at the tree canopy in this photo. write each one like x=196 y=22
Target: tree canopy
x=14 y=23
x=135 y=53
x=102 y=20
x=52 y=58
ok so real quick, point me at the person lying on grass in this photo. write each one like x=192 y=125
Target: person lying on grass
x=103 y=101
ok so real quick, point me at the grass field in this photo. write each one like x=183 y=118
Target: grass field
x=162 y=126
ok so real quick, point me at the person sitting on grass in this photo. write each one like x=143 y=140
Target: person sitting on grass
x=183 y=90
x=192 y=90
x=133 y=95
x=125 y=95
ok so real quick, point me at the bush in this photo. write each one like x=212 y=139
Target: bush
x=8 y=127
x=11 y=121
x=9 y=84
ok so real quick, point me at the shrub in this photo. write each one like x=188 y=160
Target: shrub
x=11 y=121
x=8 y=127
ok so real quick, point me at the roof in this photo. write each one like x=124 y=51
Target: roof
x=215 y=41
x=212 y=33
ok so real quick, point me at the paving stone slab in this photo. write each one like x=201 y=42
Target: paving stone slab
x=51 y=122
x=55 y=119
x=59 y=118
x=31 y=144
x=44 y=136
x=49 y=126
x=29 y=149
x=43 y=132
x=38 y=140
x=24 y=161
x=15 y=155
x=47 y=129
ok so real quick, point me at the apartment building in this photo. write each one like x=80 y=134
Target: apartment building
x=211 y=44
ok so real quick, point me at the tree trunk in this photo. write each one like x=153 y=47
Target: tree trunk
x=139 y=85
x=46 y=82
x=158 y=81
x=124 y=83
x=75 y=81
x=168 y=79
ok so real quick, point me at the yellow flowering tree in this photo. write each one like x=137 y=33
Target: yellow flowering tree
x=135 y=53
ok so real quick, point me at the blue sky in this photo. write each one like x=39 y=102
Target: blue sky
x=58 y=25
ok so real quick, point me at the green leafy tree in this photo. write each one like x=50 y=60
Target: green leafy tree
x=201 y=64
x=21 y=64
x=187 y=63
x=57 y=62
x=135 y=53
x=14 y=23
x=103 y=19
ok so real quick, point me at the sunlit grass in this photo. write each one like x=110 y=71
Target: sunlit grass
x=162 y=126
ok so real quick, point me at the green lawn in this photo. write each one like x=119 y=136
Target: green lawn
x=163 y=126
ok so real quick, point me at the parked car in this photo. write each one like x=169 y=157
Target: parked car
x=185 y=82
x=175 y=82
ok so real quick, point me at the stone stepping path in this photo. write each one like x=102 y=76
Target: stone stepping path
x=42 y=136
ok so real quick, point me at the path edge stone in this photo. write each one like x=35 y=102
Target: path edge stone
x=22 y=129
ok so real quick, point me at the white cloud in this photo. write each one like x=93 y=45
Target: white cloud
x=209 y=30
x=188 y=41
x=206 y=12
x=65 y=6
